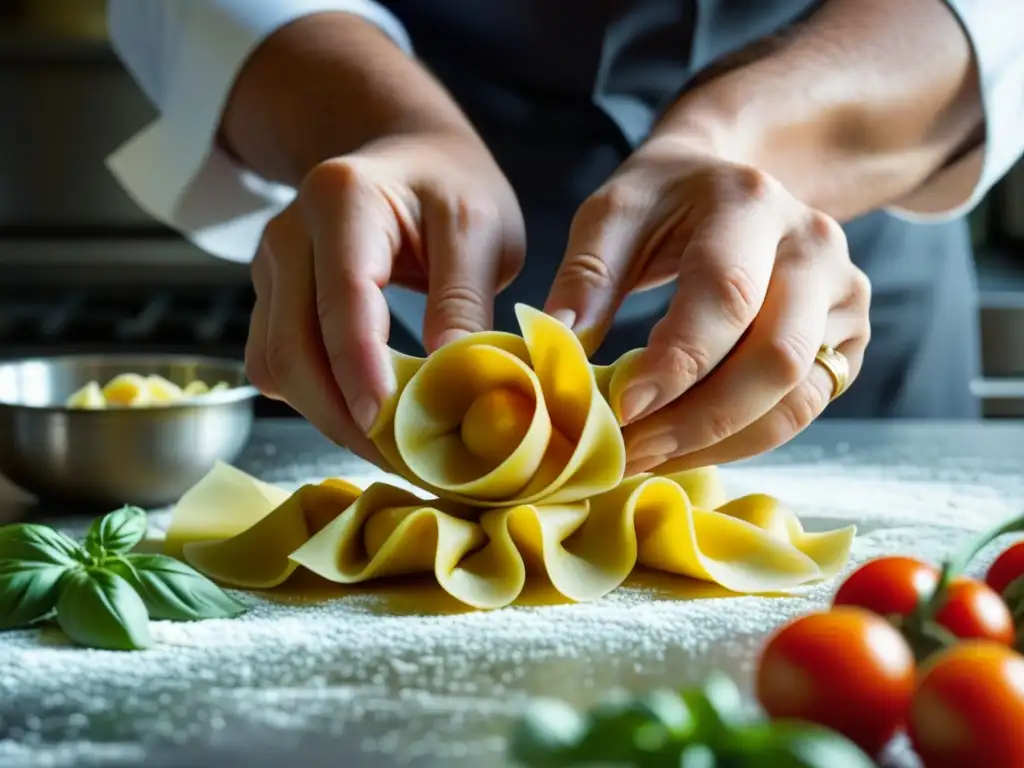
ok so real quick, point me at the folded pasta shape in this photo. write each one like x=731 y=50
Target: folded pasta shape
x=495 y=420
x=236 y=531
x=517 y=440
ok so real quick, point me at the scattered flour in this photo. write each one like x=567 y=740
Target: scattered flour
x=398 y=675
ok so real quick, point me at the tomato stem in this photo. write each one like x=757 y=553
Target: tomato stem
x=924 y=635
x=968 y=553
x=955 y=566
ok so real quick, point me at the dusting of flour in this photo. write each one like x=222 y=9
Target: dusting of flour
x=379 y=677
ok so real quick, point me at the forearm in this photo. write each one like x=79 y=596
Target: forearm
x=852 y=110
x=323 y=86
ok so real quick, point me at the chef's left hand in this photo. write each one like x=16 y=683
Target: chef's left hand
x=762 y=282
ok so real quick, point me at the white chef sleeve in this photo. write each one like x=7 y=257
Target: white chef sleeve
x=995 y=29
x=185 y=55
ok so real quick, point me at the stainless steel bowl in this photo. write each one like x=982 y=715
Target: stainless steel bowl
x=144 y=456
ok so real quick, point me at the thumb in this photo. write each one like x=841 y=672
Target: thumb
x=601 y=261
x=464 y=264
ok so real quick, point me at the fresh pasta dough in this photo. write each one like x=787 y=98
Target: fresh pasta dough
x=495 y=420
x=132 y=390
x=517 y=441
x=232 y=529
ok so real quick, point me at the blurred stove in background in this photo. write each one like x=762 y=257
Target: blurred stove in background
x=44 y=320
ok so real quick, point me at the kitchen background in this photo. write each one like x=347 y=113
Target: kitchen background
x=84 y=269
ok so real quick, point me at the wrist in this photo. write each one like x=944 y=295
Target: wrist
x=854 y=109
x=325 y=86
x=819 y=154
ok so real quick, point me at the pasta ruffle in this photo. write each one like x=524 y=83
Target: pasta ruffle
x=518 y=441
x=677 y=524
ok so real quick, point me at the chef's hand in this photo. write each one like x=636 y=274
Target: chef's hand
x=432 y=213
x=763 y=281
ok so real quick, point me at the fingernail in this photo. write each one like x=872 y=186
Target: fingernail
x=659 y=444
x=636 y=400
x=364 y=413
x=566 y=317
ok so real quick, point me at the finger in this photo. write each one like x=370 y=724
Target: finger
x=464 y=252
x=722 y=283
x=256 y=369
x=606 y=240
x=773 y=359
x=295 y=353
x=355 y=237
x=794 y=413
x=813 y=275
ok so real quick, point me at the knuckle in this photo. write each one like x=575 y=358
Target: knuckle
x=825 y=232
x=586 y=269
x=333 y=297
x=718 y=426
x=739 y=184
x=334 y=176
x=273 y=234
x=736 y=294
x=682 y=361
x=256 y=369
x=613 y=199
x=461 y=306
x=860 y=289
x=752 y=183
x=796 y=412
x=280 y=355
x=469 y=214
x=789 y=360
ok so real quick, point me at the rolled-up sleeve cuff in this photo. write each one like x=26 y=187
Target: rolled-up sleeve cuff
x=173 y=168
x=996 y=33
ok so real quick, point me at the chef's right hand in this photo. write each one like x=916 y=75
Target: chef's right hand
x=432 y=213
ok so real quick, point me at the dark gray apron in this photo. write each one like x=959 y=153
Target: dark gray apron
x=562 y=92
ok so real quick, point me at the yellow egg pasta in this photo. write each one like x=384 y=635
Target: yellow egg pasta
x=132 y=390
x=518 y=443
x=495 y=420
x=677 y=524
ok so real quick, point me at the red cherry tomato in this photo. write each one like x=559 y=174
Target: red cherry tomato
x=973 y=611
x=968 y=708
x=892 y=586
x=847 y=669
x=1007 y=568
x=888 y=586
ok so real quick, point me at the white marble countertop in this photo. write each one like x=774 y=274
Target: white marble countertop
x=396 y=675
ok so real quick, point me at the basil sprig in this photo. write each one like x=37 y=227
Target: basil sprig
x=99 y=592
x=698 y=728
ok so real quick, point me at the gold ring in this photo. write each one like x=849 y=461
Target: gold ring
x=838 y=367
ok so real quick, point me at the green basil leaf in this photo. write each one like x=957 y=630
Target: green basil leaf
x=39 y=544
x=116 y=532
x=724 y=698
x=626 y=730
x=28 y=591
x=173 y=590
x=99 y=609
x=792 y=744
x=546 y=734
x=698 y=756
